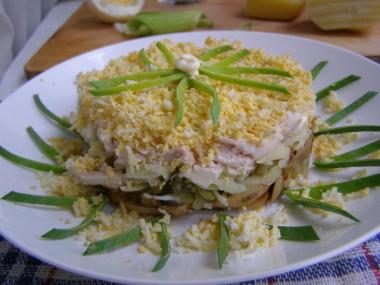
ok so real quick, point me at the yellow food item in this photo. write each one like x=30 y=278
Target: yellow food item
x=274 y=9
x=343 y=14
x=134 y=147
x=112 y=11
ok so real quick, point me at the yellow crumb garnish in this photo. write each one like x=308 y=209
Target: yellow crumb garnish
x=326 y=146
x=141 y=249
x=81 y=207
x=332 y=103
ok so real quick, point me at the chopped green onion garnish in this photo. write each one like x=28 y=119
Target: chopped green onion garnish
x=165 y=248
x=301 y=233
x=350 y=108
x=210 y=90
x=362 y=151
x=137 y=86
x=316 y=69
x=30 y=163
x=47 y=149
x=50 y=114
x=214 y=51
x=243 y=81
x=346 y=187
x=112 y=82
x=154 y=23
x=180 y=90
x=118 y=240
x=224 y=241
x=349 y=129
x=336 y=86
x=146 y=61
x=40 y=200
x=311 y=203
x=247 y=70
x=167 y=53
x=64 y=233
x=233 y=58
x=348 y=163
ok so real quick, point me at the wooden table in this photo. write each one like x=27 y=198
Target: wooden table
x=83 y=32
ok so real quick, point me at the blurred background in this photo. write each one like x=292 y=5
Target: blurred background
x=18 y=21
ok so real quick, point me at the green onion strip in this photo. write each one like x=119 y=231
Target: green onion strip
x=311 y=203
x=50 y=114
x=210 y=90
x=137 y=86
x=362 y=151
x=243 y=81
x=167 y=53
x=40 y=199
x=165 y=248
x=247 y=70
x=214 y=51
x=124 y=238
x=348 y=163
x=180 y=91
x=317 y=69
x=154 y=23
x=57 y=234
x=47 y=149
x=31 y=163
x=112 y=82
x=346 y=187
x=149 y=65
x=205 y=24
x=350 y=108
x=233 y=58
x=349 y=129
x=336 y=86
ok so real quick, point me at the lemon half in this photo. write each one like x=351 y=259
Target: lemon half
x=112 y=11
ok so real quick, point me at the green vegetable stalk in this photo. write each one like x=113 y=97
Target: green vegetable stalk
x=155 y=23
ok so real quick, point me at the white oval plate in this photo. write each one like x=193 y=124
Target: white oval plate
x=22 y=225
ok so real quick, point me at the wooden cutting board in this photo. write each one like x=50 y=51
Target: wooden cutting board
x=83 y=32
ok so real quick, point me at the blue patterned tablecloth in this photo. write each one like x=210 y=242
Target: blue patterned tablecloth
x=359 y=265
